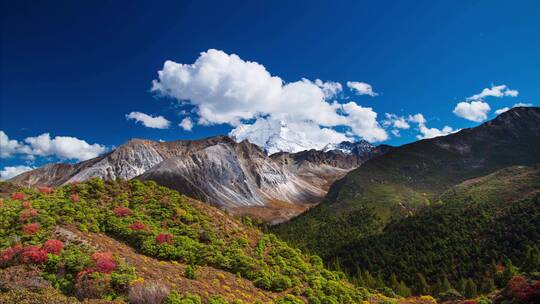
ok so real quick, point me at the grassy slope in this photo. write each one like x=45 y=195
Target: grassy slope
x=231 y=259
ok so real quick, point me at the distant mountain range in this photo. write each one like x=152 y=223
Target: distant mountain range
x=237 y=176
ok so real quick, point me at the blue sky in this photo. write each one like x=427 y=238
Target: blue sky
x=76 y=68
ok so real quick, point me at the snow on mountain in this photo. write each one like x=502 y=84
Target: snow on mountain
x=275 y=135
x=350 y=147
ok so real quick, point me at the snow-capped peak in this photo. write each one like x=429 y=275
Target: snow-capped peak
x=275 y=135
x=350 y=147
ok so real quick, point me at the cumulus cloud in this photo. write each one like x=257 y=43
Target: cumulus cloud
x=473 y=111
x=225 y=89
x=9 y=147
x=156 y=122
x=330 y=88
x=519 y=104
x=63 y=147
x=363 y=122
x=495 y=91
x=395 y=121
x=9 y=172
x=361 y=88
x=425 y=131
x=186 y=124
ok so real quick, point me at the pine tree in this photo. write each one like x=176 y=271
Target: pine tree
x=422 y=286
x=470 y=289
x=393 y=283
x=531 y=263
x=462 y=285
x=488 y=285
x=368 y=279
x=358 y=278
x=446 y=286
x=403 y=290
x=509 y=271
x=379 y=281
x=437 y=288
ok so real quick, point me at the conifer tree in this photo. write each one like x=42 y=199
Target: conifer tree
x=531 y=263
x=446 y=286
x=393 y=283
x=403 y=290
x=470 y=289
x=422 y=287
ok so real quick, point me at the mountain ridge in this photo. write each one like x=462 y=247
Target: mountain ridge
x=410 y=177
x=218 y=170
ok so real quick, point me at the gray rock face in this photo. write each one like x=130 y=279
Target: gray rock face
x=217 y=170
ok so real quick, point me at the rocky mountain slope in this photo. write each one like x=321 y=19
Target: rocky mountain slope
x=410 y=177
x=217 y=170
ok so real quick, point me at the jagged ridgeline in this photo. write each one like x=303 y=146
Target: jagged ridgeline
x=143 y=243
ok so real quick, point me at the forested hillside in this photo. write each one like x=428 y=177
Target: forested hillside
x=473 y=237
x=139 y=242
x=411 y=177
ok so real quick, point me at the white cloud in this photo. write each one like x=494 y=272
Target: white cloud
x=425 y=131
x=433 y=132
x=9 y=147
x=330 y=88
x=495 y=91
x=502 y=110
x=224 y=88
x=473 y=111
x=186 y=124
x=417 y=118
x=363 y=122
x=9 y=172
x=63 y=147
x=156 y=122
x=395 y=121
x=361 y=88
x=519 y=104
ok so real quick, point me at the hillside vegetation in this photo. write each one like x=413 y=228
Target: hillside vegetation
x=411 y=177
x=479 y=234
x=131 y=241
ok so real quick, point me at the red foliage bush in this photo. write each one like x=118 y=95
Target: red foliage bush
x=137 y=226
x=102 y=256
x=1 y=202
x=468 y=302
x=33 y=255
x=84 y=272
x=53 y=246
x=30 y=228
x=122 y=211
x=75 y=198
x=104 y=262
x=27 y=204
x=19 y=196
x=164 y=238
x=105 y=266
x=522 y=290
x=7 y=255
x=27 y=214
x=45 y=190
